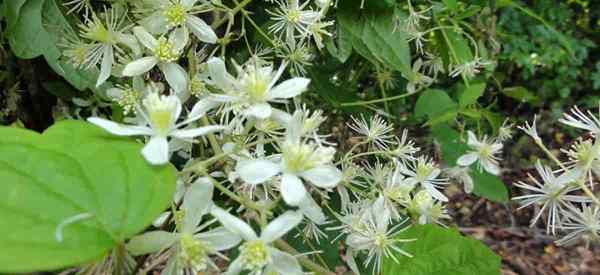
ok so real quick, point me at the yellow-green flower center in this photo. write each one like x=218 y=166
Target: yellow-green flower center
x=160 y=110
x=255 y=85
x=423 y=170
x=293 y=16
x=175 y=14
x=165 y=51
x=96 y=31
x=255 y=254
x=197 y=87
x=129 y=99
x=194 y=252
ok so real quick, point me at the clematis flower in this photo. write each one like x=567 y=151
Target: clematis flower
x=189 y=246
x=484 y=151
x=290 y=16
x=257 y=254
x=425 y=172
x=164 y=54
x=299 y=160
x=552 y=193
x=254 y=88
x=178 y=14
x=102 y=40
x=159 y=117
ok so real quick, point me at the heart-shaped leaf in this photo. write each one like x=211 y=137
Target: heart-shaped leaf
x=73 y=193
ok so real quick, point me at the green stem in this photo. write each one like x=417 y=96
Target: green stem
x=233 y=11
x=367 y=102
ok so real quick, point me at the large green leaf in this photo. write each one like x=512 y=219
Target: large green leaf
x=73 y=170
x=34 y=29
x=442 y=251
x=450 y=143
x=373 y=36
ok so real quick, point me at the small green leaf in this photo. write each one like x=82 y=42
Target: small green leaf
x=441 y=251
x=75 y=176
x=470 y=94
x=451 y=4
x=489 y=186
x=521 y=94
x=432 y=102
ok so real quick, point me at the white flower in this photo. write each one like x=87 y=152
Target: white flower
x=299 y=160
x=583 y=225
x=105 y=37
x=290 y=17
x=189 y=247
x=160 y=115
x=531 y=129
x=257 y=254
x=427 y=209
x=405 y=148
x=178 y=13
x=164 y=53
x=417 y=80
x=469 y=69
x=484 y=151
x=255 y=87
x=376 y=130
x=551 y=193
x=425 y=172
x=586 y=121
x=377 y=239
x=461 y=175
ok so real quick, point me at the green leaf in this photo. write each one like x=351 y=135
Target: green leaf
x=372 y=36
x=441 y=251
x=35 y=28
x=451 y=4
x=470 y=94
x=27 y=38
x=489 y=186
x=521 y=94
x=73 y=171
x=450 y=143
x=456 y=50
x=432 y=102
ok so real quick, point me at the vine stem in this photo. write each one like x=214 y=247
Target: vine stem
x=233 y=11
x=367 y=102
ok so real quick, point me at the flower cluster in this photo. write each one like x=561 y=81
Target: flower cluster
x=235 y=125
x=565 y=193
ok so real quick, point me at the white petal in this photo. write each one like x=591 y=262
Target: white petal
x=235 y=267
x=145 y=38
x=156 y=151
x=175 y=76
x=434 y=192
x=259 y=110
x=312 y=211
x=234 y=224
x=280 y=226
x=196 y=132
x=467 y=159
x=255 y=171
x=155 y=23
x=285 y=263
x=289 y=88
x=188 y=3
x=218 y=73
x=326 y=176
x=140 y=66
x=119 y=129
x=196 y=203
x=179 y=38
x=150 y=242
x=490 y=167
x=280 y=116
x=292 y=189
x=219 y=238
x=114 y=93
x=200 y=29
x=472 y=140
x=106 y=66
x=201 y=108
